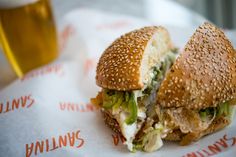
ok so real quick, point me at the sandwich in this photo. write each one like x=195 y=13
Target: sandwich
x=198 y=94
x=130 y=71
x=152 y=93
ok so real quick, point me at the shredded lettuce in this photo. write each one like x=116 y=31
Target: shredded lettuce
x=110 y=98
x=157 y=76
x=150 y=141
x=231 y=112
x=169 y=60
x=207 y=113
x=223 y=109
x=226 y=109
x=159 y=72
x=117 y=104
x=116 y=99
x=203 y=115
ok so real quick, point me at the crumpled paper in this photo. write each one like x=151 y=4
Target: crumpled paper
x=48 y=112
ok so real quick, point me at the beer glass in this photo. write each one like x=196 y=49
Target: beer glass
x=27 y=34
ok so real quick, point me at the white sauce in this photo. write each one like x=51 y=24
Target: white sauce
x=128 y=131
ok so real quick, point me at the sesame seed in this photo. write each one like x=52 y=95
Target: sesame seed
x=205 y=67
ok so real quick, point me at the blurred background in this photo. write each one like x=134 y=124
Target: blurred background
x=182 y=13
x=220 y=12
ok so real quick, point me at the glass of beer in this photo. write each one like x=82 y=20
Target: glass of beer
x=27 y=34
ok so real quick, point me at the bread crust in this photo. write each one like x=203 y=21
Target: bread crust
x=204 y=75
x=119 y=66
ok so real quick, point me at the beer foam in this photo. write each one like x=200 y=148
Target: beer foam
x=15 y=3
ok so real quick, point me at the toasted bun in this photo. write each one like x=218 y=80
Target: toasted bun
x=204 y=75
x=186 y=139
x=126 y=63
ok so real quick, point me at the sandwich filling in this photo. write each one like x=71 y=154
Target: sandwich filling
x=134 y=110
x=192 y=123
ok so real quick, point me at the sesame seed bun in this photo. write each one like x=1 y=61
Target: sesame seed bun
x=185 y=139
x=204 y=75
x=126 y=63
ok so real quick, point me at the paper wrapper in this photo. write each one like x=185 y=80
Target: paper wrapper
x=48 y=112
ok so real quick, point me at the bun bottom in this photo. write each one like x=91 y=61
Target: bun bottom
x=111 y=122
x=186 y=139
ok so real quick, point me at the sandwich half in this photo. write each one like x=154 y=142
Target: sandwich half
x=130 y=72
x=198 y=94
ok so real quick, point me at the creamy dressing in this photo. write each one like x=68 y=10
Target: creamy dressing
x=141 y=114
x=128 y=131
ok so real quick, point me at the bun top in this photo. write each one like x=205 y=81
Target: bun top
x=125 y=62
x=204 y=74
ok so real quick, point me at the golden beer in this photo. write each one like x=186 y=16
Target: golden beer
x=28 y=35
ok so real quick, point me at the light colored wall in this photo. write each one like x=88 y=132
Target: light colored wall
x=220 y=12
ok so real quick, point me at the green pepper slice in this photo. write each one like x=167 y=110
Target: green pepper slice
x=132 y=108
x=119 y=101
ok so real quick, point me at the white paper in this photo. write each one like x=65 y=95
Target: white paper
x=48 y=112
